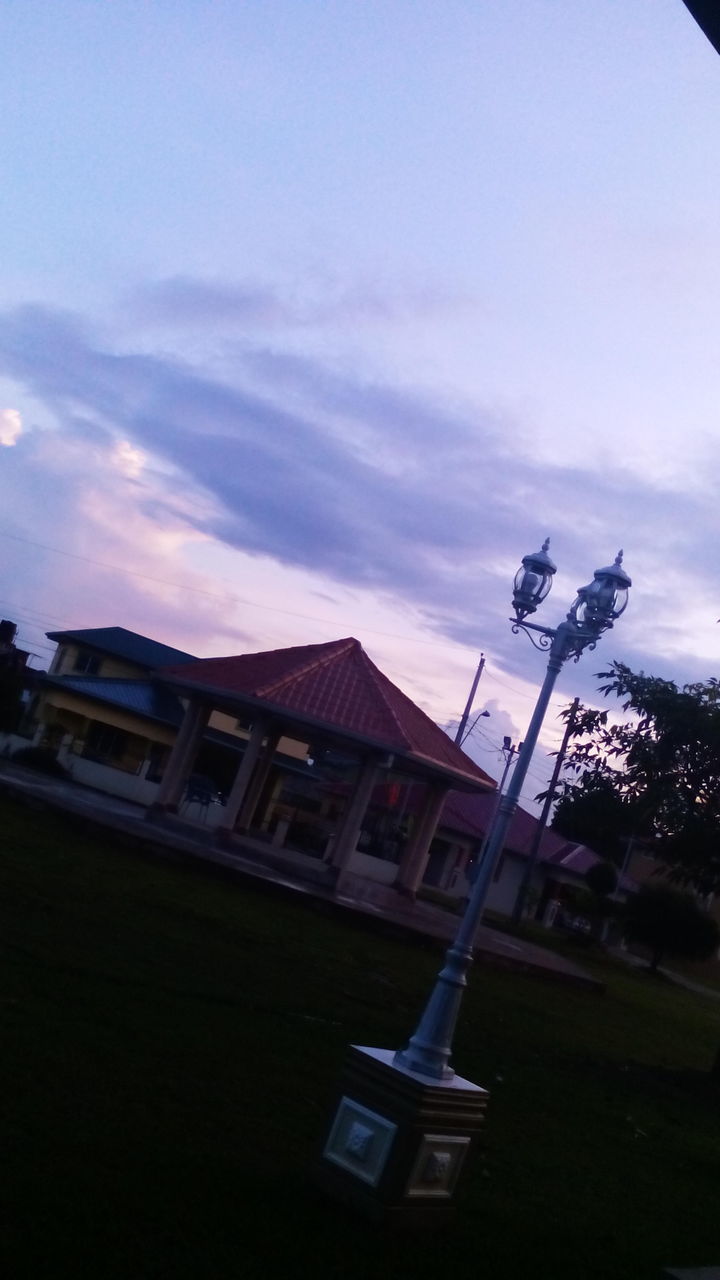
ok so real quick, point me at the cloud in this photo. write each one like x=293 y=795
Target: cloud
x=362 y=483
x=184 y=302
x=180 y=301
x=10 y=426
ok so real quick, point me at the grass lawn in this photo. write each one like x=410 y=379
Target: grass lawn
x=172 y=1040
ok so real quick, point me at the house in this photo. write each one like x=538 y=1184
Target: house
x=99 y=711
x=559 y=871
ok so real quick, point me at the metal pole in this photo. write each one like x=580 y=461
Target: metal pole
x=542 y=821
x=468 y=706
x=486 y=868
x=429 y=1049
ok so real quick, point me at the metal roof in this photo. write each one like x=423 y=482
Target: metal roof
x=142 y=697
x=120 y=643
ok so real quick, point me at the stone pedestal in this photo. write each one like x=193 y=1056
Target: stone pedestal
x=398 y=1141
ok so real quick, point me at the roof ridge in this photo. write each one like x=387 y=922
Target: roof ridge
x=337 y=647
x=393 y=713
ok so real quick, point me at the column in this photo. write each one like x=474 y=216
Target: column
x=240 y=786
x=352 y=819
x=415 y=858
x=259 y=778
x=182 y=757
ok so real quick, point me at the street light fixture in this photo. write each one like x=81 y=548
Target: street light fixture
x=404 y=1122
x=594 y=610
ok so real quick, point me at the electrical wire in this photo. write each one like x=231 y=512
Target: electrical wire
x=216 y=595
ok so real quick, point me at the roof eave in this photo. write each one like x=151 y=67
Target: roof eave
x=225 y=699
x=59 y=682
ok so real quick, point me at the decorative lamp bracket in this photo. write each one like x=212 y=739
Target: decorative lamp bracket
x=545 y=637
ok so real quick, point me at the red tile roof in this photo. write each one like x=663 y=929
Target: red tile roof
x=337 y=685
x=473 y=814
x=578 y=858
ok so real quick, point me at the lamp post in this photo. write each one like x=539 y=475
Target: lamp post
x=404 y=1123
x=485 y=868
x=593 y=612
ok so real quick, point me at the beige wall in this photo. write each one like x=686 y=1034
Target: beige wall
x=64 y=664
x=114 y=716
x=228 y=724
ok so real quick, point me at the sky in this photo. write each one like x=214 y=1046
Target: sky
x=315 y=317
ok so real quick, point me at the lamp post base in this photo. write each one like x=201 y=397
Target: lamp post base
x=398 y=1140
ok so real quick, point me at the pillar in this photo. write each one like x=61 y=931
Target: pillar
x=352 y=819
x=259 y=778
x=182 y=756
x=415 y=858
x=241 y=785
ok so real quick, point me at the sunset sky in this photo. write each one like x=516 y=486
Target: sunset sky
x=317 y=315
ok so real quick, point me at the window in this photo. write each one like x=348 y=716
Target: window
x=107 y=745
x=88 y=663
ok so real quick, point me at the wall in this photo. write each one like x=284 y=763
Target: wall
x=105 y=714
x=114 y=782
x=379 y=869
x=63 y=663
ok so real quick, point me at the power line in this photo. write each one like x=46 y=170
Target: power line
x=251 y=604
x=214 y=595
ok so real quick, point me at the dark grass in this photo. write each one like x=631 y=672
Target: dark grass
x=172 y=1043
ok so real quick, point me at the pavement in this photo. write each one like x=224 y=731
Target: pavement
x=251 y=860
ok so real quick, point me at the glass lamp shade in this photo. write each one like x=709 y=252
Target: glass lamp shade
x=604 y=599
x=532 y=582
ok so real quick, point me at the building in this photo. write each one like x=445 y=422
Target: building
x=308 y=755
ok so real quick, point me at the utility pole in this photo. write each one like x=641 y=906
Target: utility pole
x=468 y=706
x=542 y=821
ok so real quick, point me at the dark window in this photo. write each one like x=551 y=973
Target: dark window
x=107 y=745
x=88 y=663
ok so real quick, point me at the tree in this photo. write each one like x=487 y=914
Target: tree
x=602 y=879
x=654 y=770
x=596 y=814
x=670 y=923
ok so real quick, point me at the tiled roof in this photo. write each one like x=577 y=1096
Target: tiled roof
x=120 y=643
x=579 y=858
x=472 y=814
x=337 y=685
x=139 y=696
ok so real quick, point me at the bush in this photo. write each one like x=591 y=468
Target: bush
x=42 y=759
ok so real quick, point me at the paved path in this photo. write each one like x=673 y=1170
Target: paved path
x=253 y=860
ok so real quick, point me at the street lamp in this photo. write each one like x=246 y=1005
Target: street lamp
x=404 y=1122
x=594 y=610
x=484 y=870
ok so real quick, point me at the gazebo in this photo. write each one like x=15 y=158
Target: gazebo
x=334 y=699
